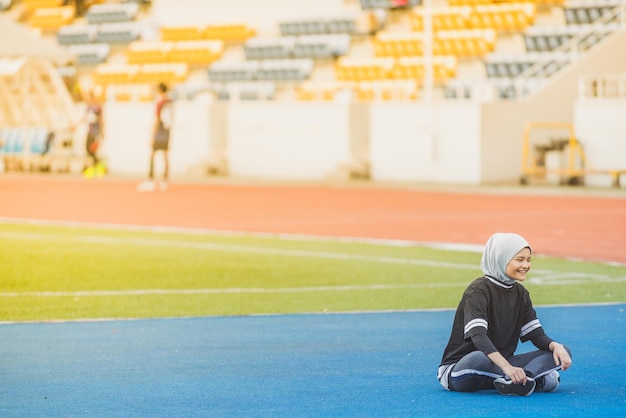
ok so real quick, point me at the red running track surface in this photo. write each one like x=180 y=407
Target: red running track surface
x=590 y=226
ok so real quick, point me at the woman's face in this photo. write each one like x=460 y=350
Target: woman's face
x=519 y=265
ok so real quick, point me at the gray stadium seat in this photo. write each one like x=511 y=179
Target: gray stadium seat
x=269 y=48
x=341 y=24
x=90 y=54
x=321 y=46
x=304 y=26
x=285 y=70
x=77 y=34
x=106 y=13
x=112 y=33
x=245 y=91
x=542 y=39
x=224 y=72
x=588 y=11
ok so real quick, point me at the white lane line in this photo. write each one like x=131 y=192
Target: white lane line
x=542 y=277
x=240 y=249
x=235 y=290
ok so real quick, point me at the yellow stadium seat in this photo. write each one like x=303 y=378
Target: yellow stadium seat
x=131 y=92
x=115 y=74
x=52 y=18
x=398 y=44
x=196 y=52
x=237 y=32
x=445 y=18
x=364 y=69
x=503 y=17
x=465 y=43
x=319 y=91
x=31 y=5
x=387 y=90
x=444 y=67
x=142 y=52
x=182 y=33
x=165 y=72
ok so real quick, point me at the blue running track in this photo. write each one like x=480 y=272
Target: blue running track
x=331 y=365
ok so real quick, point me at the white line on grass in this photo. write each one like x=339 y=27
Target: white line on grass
x=241 y=249
x=543 y=277
x=235 y=290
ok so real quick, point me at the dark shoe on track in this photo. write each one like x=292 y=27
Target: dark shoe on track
x=507 y=387
x=549 y=382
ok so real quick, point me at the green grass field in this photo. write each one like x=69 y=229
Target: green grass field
x=61 y=272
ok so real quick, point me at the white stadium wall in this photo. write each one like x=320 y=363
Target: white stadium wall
x=128 y=130
x=303 y=140
x=409 y=142
x=601 y=129
x=288 y=140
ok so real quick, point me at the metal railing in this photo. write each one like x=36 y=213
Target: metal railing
x=604 y=86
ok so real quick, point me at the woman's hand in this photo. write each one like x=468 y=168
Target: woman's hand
x=516 y=374
x=561 y=356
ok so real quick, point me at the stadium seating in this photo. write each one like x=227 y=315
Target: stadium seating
x=225 y=71
x=588 y=11
x=90 y=54
x=305 y=46
x=308 y=91
x=339 y=23
x=503 y=17
x=170 y=73
x=444 y=18
x=386 y=90
x=304 y=26
x=11 y=141
x=462 y=43
x=541 y=39
x=196 y=52
x=115 y=74
x=235 y=32
x=262 y=70
x=121 y=74
x=52 y=18
x=18 y=140
x=77 y=34
x=512 y=65
x=285 y=70
x=269 y=48
x=245 y=91
x=106 y=13
x=398 y=44
x=444 y=68
x=141 y=52
x=465 y=43
x=182 y=33
x=118 y=33
x=322 y=46
x=364 y=69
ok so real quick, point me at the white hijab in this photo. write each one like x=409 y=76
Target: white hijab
x=499 y=250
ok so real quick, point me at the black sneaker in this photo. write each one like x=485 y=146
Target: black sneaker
x=507 y=387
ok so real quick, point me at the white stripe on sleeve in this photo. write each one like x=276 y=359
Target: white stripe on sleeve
x=478 y=322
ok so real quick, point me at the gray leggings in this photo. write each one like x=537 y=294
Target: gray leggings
x=476 y=371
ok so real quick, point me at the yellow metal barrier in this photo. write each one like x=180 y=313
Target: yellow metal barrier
x=533 y=166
